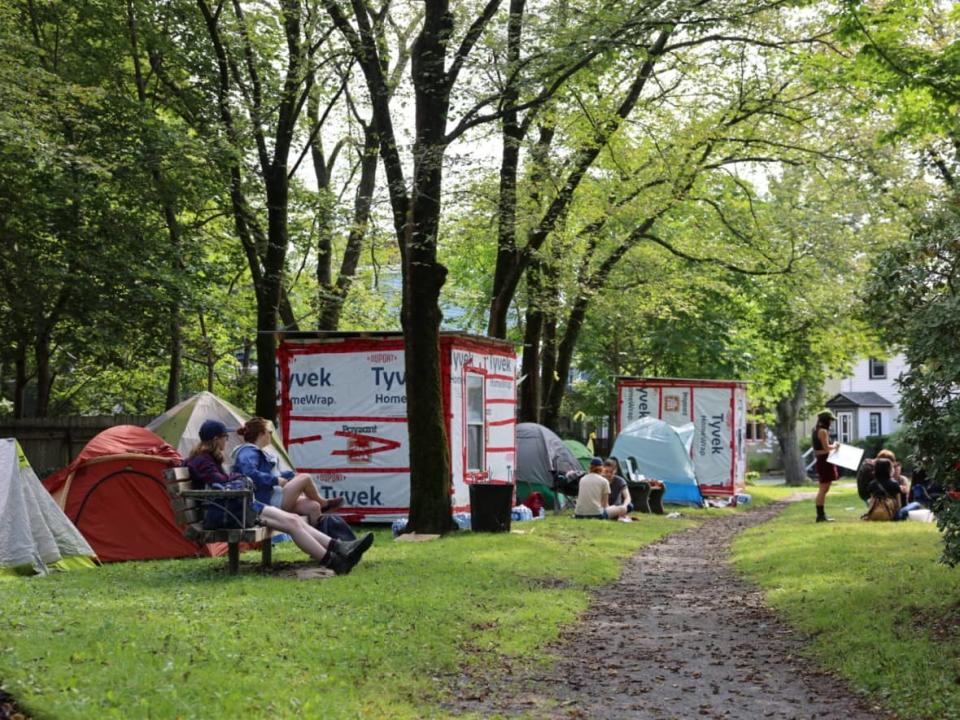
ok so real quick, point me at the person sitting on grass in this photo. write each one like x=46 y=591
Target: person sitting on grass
x=619 y=492
x=300 y=495
x=206 y=468
x=594 y=495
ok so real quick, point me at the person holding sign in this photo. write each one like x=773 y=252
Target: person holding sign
x=826 y=472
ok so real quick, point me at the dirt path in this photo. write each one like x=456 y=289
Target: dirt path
x=678 y=636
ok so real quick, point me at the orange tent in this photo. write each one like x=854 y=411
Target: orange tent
x=114 y=493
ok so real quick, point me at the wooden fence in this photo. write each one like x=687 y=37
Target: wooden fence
x=51 y=443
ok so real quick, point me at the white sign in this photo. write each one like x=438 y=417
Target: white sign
x=846 y=456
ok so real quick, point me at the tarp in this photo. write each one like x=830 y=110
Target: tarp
x=180 y=425
x=661 y=451
x=114 y=493
x=540 y=454
x=580 y=451
x=35 y=535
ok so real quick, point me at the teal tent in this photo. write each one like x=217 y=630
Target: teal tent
x=660 y=451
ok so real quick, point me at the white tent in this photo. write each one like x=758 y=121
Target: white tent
x=35 y=535
x=180 y=425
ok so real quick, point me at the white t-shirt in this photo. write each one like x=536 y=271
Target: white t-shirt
x=594 y=489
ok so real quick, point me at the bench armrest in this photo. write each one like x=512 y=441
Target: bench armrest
x=212 y=494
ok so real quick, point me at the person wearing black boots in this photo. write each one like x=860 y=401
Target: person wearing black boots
x=206 y=468
x=826 y=472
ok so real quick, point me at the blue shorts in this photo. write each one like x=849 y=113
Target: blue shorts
x=601 y=516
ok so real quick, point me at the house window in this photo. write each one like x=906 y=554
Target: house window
x=475 y=427
x=844 y=427
x=875 y=428
x=756 y=431
x=878 y=369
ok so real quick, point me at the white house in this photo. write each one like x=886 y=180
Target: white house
x=868 y=401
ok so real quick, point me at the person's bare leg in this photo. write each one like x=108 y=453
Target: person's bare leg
x=301 y=496
x=313 y=542
x=616 y=511
x=308 y=508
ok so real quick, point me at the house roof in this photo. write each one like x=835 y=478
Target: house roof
x=858 y=399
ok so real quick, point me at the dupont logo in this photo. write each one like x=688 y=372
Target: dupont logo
x=382 y=358
x=330 y=477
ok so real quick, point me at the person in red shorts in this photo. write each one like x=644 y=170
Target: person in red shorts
x=826 y=472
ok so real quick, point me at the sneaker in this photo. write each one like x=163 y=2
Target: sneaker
x=824 y=518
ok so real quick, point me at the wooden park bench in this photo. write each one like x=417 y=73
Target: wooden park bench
x=188 y=509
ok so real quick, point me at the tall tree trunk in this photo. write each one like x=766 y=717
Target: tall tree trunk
x=20 y=379
x=41 y=350
x=785 y=430
x=423 y=279
x=509 y=166
x=529 y=410
x=336 y=294
x=268 y=300
x=169 y=211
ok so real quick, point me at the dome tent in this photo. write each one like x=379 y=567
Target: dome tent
x=660 y=451
x=180 y=425
x=35 y=535
x=114 y=492
x=580 y=451
x=540 y=455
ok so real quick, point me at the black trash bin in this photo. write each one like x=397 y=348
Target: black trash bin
x=490 y=505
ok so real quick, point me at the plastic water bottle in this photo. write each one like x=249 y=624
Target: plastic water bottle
x=743 y=498
x=521 y=513
x=462 y=519
x=398 y=526
x=542 y=514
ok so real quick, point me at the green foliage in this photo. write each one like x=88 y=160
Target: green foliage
x=913 y=294
x=758 y=463
x=879 y=610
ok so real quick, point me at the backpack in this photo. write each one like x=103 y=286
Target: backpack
x=230 y=513
x=881 y=508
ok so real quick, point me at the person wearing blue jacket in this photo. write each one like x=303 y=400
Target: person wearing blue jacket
x=300 y=495
x=206 y=468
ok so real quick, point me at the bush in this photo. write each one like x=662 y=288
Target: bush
x=752 y=477
x=758 y=464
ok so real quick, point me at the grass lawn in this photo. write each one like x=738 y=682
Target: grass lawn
x=180 y=638
x=879 y=607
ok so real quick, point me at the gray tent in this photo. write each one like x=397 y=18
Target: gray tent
x=35 y=535
x=540 y=455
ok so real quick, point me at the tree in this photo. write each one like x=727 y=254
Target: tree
x=417 y=205
x=914 y=294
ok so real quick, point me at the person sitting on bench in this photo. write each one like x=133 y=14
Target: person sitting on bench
x=594 y=495
x=206 y=468
x=300 y=495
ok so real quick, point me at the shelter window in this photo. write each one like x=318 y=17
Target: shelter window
x=875 y=428
x=476 y=412
x=878 y=369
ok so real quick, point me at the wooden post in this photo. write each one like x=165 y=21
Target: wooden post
x=233 y=555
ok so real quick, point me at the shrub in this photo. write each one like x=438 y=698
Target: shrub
x=758 y=464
